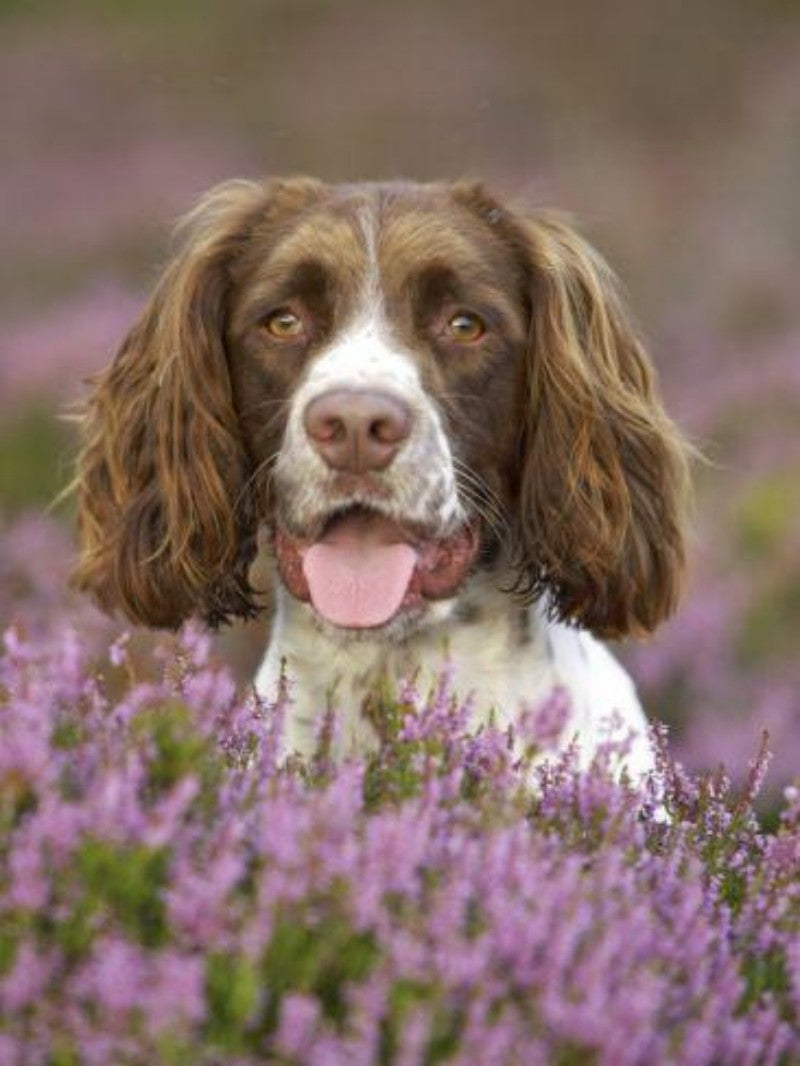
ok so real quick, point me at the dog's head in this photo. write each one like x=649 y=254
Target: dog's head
x=404 y=383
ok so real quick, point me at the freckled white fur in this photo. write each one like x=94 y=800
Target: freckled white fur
x=503 y=675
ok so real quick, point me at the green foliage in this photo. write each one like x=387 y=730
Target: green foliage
x=403 y=997
x=8 y=947
x=576 y=1055
x=769 y=629
x=318 y=958
x=766 y=513
x=64 y=1054
x=125 y=883
x=17 y=797
x=766 y=974
x=33 y=443
x=179 y=749
x=397 y=778
x=444 y=1039
x=232 y=993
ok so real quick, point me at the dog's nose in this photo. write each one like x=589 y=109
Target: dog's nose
x=357 y=430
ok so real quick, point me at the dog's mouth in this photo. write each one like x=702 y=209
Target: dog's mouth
x=364 y=568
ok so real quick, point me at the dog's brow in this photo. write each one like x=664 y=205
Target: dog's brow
x=330 y=237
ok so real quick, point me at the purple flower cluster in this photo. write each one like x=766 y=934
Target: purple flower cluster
x=171 y=892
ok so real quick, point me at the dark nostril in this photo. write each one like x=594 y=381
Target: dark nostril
x=389 y=429
x=328 y=429
x=357 y=429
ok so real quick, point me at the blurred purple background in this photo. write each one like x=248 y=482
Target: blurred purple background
x=673 y=138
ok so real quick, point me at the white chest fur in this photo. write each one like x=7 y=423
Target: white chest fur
x=506 y=658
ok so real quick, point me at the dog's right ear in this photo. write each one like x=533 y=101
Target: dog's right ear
x=166 y=523
x=605 y=485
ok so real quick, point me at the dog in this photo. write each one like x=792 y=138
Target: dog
x=437 y=408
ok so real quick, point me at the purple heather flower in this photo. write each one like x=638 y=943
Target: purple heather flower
x=437 y=890
x=299 y=1015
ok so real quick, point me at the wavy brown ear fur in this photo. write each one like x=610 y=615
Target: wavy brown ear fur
x=167 y=526
x=604 y=487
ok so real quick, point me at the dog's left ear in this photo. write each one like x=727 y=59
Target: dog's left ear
x=604 y=484
x=165 y=526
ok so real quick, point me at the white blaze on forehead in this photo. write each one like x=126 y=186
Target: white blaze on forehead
x=365 y=357
x=368 y=221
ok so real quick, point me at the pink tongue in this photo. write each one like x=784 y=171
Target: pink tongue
x=356 y=576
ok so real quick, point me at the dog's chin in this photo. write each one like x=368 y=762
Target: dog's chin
x=400 y=627
x=368 y=577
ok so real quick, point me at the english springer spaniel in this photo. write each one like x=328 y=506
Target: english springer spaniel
x=436 y=407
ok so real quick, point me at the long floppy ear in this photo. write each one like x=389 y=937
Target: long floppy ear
x=604 y=485
x=166 y=523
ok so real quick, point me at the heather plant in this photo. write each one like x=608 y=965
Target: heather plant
x=174 y=889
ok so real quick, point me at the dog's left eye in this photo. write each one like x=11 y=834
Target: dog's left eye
x=283 y=324
x=466 y=327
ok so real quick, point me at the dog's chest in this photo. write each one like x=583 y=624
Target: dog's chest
x=497 y=655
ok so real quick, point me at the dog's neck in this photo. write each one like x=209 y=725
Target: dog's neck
x=499 y=652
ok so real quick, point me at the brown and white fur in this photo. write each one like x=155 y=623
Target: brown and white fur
x=391 y=364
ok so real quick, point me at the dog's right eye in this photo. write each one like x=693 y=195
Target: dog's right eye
x=466 y=327
x=283 y=324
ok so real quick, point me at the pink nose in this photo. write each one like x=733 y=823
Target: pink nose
x=357 y=430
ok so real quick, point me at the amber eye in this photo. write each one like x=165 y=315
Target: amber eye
x=283 y=324
x=466 y=327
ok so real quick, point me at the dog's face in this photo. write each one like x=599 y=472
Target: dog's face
x=404 y=383
x=376 y=350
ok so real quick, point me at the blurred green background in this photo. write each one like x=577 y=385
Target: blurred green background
x=671 y=131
